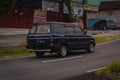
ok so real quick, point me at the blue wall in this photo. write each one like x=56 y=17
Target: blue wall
x=92 y=21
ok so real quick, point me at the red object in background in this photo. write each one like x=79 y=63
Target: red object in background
x=57 y=17
x=39 y=16
x=22 y=17
x=80 y=23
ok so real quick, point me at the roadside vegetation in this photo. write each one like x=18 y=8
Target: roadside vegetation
x=10 y=52
x=105 y=39
x=20 y=50
x=111 y=72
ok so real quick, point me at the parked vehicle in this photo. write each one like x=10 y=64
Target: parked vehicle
x=111 y=25
x=58 y=37
x=102 y=23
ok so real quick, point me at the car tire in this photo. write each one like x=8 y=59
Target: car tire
x=90 y=48
x=39 y=54
x=63 y=51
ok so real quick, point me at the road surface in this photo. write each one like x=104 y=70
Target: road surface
x=55 y=68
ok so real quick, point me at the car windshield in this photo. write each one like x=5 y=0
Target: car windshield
x=40 y=29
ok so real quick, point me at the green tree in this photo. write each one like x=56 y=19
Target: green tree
x=6 y=7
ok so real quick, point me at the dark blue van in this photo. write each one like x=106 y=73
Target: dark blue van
x=58 y=37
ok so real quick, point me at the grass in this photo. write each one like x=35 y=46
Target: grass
x=111 y=71
x=11 y=52
x=105 y=39
x=20 y=50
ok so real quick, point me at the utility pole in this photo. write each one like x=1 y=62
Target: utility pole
x=84 y=15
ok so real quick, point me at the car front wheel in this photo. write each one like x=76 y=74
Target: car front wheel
x=63 y=51
x=90 y=48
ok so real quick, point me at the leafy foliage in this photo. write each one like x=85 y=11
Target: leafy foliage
x=105 y=39
x=14 y=52
x=112 y=70
x=6 y=7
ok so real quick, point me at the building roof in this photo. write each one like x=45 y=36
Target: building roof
x=111 y=5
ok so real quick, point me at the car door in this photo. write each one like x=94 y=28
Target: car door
x=70 y=37
x=58 y=37
x=81 y=38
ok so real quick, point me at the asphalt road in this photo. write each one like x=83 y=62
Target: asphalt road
x=55 y=68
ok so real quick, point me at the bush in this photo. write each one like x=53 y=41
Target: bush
x=14 y=52
x=112 y=70
x=104 y=38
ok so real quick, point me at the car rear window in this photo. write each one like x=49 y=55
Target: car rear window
x=40 y=29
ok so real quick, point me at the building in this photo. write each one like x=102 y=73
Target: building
x=23 y=14
x=108 y=10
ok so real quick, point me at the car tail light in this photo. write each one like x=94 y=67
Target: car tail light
x=51 y=42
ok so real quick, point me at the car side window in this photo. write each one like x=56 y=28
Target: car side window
x=69 y=29
x=78 y=30
x=58 y=28
x=33 y=29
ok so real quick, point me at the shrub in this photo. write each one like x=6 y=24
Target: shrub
x=112 y=70
x=14 y=52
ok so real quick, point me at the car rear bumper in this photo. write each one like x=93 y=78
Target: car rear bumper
x=43 y=50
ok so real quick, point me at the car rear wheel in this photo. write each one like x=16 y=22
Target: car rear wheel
x=39 y=54
x=63 y=51
x=90 y=48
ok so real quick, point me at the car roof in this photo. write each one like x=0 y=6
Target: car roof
x=54 y=23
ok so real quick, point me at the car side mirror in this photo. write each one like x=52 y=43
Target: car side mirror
x=85 y=32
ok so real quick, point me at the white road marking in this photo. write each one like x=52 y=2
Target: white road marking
x=31 y=56
x=56 y=60
x=95 y=69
